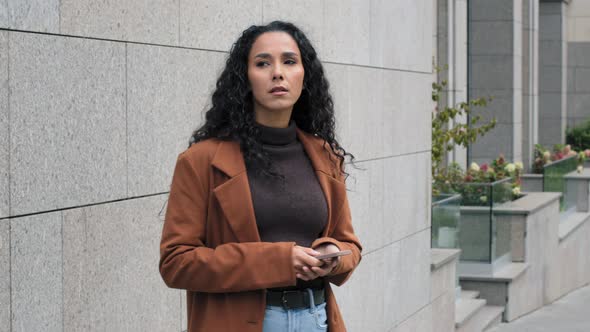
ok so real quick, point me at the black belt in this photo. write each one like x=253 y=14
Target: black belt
x=294 y=299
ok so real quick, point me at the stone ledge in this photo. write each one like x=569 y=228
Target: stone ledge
x=506 y=274
x=584 y=175
x=440 y=257
x=530 y=203
x=573 y=222
x=465 y=309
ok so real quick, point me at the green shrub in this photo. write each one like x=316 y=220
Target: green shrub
x=579 y=137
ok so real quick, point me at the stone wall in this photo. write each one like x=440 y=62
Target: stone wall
x=578 y=89
x=96 y=101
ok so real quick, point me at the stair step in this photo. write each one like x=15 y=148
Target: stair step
x=465 y=309
x=469 y=294
x=486 y=318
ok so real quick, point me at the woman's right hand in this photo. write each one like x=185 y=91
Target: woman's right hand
x=305 y=257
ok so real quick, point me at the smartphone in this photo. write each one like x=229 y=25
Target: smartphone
x=334 y=254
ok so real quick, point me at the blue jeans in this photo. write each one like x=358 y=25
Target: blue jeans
x=312 y=319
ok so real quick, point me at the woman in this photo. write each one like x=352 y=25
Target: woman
x=260 y=193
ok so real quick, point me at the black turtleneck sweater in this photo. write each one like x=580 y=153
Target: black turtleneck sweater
x=296 y=211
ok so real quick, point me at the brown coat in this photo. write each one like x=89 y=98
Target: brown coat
x=211 y=247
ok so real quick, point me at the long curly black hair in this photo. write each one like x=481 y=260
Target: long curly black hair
x=231 y=116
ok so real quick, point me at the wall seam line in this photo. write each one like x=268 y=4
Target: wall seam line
x=391 y=156
x=9 y=180
x=126 y=125
x=85 y=205
x=398 y=240
x=209 y=50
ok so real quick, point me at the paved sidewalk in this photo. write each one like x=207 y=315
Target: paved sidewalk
x=571 y=313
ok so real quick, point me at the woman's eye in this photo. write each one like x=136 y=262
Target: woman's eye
x=290 y=62
x=261 y=64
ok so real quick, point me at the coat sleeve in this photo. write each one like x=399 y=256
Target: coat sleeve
x=344 y=238
x=187 y=263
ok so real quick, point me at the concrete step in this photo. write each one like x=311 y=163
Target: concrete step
x=469 y=294
x=465 y=309
x=485 y=318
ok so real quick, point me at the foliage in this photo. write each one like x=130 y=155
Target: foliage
x=579 y=136
x=445 y=138
x=544 y=156
x=479 y=185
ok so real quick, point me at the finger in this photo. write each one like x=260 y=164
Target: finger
x=311 y=261
x=309 y=273
x=302 y=277
x=321 y=272
x=310 y=251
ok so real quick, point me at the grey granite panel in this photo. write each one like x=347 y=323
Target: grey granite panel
x=491 y=72
x=110 y=264
x=500 y=107
x=550 y=52
x=579 y=106
x=485 y=10
x=67 y=125
x=216 y=25
x=547 y=7
x=579 y=54
x=414 y=284
x=550 y=132
x=583 y=80
x=36 y=272
x=550 y=79
x=307 y=15
x=168 y=89
x=549 y=105
x=361 y=300
x=346 y=31
x=491 y=38
x=4 y=139
x=5 y=275
x=133 y=20
x=387 y=19
x=550 y=27
x=496 y=141
x=571 y=80
x=30 y=15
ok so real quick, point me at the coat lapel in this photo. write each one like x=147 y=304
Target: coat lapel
x=234 y=195
x=235 y=198
x=334 y=190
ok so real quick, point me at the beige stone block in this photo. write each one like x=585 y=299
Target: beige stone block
x=346 y=31
x=110 y=269
x=152 y=21
x=307 y=15
x=168 y=90
x=443 y=313
x=216 y=25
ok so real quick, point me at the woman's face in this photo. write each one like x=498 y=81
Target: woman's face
x=275 y=72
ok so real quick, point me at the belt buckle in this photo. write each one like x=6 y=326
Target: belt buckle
x=284 y=299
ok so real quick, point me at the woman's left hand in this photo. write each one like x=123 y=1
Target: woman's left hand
x=329 y=264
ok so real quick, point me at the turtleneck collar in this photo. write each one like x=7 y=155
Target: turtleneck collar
x=278 y=136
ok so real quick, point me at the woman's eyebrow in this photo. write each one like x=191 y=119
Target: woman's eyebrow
x=268 y=56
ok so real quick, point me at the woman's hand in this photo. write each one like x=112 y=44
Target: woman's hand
x=303 y=260
x=329 y=264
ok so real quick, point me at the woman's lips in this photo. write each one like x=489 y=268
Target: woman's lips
x=279 y=93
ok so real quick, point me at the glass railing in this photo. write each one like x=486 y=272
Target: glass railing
x=482 y=239
x=446 y=211
x=554 y=181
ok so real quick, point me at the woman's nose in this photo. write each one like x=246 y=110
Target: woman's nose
x=277 y=73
